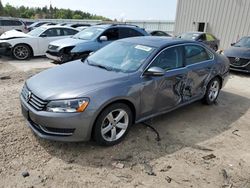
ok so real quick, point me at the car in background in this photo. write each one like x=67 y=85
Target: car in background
x=160 y=34
x=124 y=83
x=239 y=55
x=206 y=38
x=35 y=43
x=90 y=40
x=7 y=24
x=76 y=25
x=37 y=24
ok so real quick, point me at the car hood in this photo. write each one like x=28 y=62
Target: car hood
x=12 y=34
x=238 y=52
x=71 y=80
x=67 y=42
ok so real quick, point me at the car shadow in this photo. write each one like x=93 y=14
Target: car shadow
x=184 y=127
x=240 y=74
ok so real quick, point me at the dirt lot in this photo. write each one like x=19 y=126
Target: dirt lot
x=221 y=132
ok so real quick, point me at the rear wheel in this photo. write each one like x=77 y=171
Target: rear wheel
x=213 y=90
x=21 y=52
x=113 y=124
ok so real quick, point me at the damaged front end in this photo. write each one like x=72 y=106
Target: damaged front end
x=5 y=48
x=62 y=56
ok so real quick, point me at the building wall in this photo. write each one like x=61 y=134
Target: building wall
x=228 y=20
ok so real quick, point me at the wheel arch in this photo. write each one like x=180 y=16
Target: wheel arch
x=31 y=49
x=123 y=101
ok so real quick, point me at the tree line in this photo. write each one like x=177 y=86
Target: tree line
x=46 y=12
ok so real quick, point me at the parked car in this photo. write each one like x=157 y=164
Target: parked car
x=37 y=24
x=35 y=43
x=7 y=24
x=89 y=40
x=74 y=25
x=239 y=55
x=126 y=82
x=160 y=34
x=206 y=38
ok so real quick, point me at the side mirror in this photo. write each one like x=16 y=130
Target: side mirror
x=154 y=71
x=232 y=44
x=43 y=35
x=103 y=38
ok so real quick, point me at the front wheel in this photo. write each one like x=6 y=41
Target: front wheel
x=113 y=124
x=21 y=52
x=213 y=90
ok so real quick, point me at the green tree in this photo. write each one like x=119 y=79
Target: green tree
x=1 y=9
x=77 y=16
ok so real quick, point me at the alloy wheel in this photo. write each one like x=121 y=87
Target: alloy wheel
x=214 y=90
x=115 y=125
x=21 y=52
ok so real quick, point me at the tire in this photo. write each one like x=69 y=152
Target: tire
x=112 y=125
x=212 y=92
x=21 y=52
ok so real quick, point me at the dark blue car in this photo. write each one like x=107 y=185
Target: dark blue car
x=126 y=82
x=90 y=40
x=239 y=55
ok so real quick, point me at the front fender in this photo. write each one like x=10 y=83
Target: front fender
x=85 y=47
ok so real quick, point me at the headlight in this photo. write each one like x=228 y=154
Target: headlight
x=70 y=105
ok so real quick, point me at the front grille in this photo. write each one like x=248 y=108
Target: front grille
x=33 y=100
x=238 y=62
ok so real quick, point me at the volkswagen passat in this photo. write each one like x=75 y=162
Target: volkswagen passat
x=124 y=83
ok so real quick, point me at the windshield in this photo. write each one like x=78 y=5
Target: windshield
x=36 y=32
x=121 y=56
x=244 y=42
x=189 y=36
x=89 y=33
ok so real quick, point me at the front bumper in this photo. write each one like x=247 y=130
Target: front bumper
x=53 y=56
x=67 y=127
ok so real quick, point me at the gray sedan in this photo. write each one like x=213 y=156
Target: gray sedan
x=124 y=83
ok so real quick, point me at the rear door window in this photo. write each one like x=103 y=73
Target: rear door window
x=195 y=54
x=53 y=32
x=128 y=32
x=67 y=31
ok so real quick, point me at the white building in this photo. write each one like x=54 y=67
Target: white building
x=228 y=20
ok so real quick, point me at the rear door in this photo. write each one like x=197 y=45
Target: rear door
x=199 y=62
x=165 y=92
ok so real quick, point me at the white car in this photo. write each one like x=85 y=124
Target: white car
x=7 y=24
x=35 y=43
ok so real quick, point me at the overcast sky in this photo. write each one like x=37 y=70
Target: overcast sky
x=125 y=9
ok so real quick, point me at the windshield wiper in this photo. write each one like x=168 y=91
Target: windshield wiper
x=100 y=66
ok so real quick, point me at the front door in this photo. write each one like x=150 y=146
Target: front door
x=165 y=92
x=111 y=34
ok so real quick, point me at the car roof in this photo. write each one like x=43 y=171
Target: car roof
x=115 y=25
x=56 y=26
x=156 y=42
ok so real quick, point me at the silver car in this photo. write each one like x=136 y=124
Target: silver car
x=124 y=83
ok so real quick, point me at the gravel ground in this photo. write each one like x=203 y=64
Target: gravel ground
x=201 y=146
